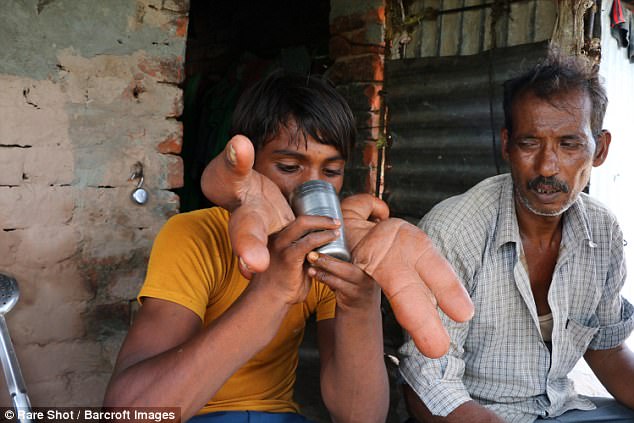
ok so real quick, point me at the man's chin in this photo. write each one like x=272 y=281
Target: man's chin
x=548 y=213
x=540 y=209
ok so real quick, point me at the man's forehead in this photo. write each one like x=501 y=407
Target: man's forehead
x=572 y=99
x=575 y=104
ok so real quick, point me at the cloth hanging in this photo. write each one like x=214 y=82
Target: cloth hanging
x=620 y=24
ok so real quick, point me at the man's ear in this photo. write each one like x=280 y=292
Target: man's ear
x=603 y=145
x=504 y=136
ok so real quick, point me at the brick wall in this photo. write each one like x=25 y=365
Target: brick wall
x=357 y=47
x=88 y=89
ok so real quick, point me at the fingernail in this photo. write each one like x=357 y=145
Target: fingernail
x=336 y=221
x=311 y=272
x=243 y=264
x=337 y=232
x=312 y=256
x=231 y=154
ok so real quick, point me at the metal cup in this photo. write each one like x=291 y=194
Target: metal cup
x=319 y=198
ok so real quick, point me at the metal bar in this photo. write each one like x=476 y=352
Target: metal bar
x=461 y=34
x=431 y=13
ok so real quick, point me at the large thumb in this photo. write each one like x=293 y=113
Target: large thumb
x=225 y=179
x=360 y=212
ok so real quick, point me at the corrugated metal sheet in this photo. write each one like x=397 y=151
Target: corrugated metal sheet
x=463 y=27
x=439 y=122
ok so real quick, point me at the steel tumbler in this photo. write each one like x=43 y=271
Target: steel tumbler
x=319 y=198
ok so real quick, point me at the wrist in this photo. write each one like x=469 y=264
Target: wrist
x=367 y=304
x=270 y=293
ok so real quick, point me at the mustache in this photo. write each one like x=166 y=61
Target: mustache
x=548 y=181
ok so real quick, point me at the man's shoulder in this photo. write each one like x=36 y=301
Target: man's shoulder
x=596 y=211
x=480 y=204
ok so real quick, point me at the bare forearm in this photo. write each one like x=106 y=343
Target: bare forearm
x=354 y=383
x=469 y=411
x=615 y=369
x=190 y=374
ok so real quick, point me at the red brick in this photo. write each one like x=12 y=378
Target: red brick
x=367 y=119
x=165 y=69
x=181 y=26
x=362 y=96
x=367 y=67
x=372 y=94
x=363 y=36
x=172 y=144
x=346 y=44
x=370 y=154
x=371 y=159
x=369 y=133
x=357 y=21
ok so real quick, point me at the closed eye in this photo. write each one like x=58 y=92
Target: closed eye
x=570 y=143
x=287 y=168
x=333 y=172
x=527 y=142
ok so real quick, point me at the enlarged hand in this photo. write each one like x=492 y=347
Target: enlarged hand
x=412 y=273
x=257 y=205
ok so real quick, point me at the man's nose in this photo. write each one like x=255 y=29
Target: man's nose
x=548 y=161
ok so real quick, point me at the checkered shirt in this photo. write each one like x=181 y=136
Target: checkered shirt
x=499 y=358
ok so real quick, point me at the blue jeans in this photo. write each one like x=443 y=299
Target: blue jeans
x=608 y=410
x=248 y=417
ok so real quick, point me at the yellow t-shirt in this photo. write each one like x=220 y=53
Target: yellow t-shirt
x=192 y=264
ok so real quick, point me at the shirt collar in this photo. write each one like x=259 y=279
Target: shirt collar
x=576 y=222
x=507 y=227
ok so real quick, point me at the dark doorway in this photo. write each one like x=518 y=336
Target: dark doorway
x=229 y=47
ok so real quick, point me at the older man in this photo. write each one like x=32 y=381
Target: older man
x=543 y=263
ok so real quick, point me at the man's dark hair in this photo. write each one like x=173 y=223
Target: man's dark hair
x=310 y=102
x=559 y=74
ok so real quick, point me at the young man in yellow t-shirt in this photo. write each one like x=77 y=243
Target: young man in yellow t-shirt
x=216 y=344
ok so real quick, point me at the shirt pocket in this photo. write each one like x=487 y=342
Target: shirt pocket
x=576 y=338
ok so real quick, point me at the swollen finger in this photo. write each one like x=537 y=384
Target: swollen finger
x=364 y=207
x=417 y=314
x=397 y=244
x=356 y=211
x=249 y=241
x=441 y=279
x=225 y=178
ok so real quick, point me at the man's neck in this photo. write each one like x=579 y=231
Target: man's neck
x=541 y=240
x=541 y=229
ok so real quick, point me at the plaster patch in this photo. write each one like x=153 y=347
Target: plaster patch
x=24 y=125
